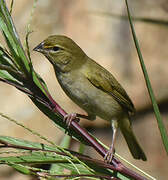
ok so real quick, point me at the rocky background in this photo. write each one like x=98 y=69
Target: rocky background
x=108 y=40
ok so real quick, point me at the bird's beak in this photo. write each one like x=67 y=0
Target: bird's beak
x=39 y=48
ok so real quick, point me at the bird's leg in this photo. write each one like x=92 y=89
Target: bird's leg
x=109 y=155
x=70 y=117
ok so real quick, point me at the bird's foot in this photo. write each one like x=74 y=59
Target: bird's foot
x=109 y=155
x=68 y=118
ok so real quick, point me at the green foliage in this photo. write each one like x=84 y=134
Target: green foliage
x=37 y=153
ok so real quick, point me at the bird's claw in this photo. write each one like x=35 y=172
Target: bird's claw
x=68 y=118
x=109 y=155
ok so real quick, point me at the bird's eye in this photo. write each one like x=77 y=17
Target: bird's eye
x=55 y=48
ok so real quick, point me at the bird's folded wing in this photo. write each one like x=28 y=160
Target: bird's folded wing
x=107 y=83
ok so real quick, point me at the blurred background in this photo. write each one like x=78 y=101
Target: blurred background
x=108 y=40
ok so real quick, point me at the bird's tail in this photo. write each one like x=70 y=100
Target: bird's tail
x=134 y=147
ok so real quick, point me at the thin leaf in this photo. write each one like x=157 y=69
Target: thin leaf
x=11 y=6
x=161 y=126
x=6 y=59
x=22 y=169
x=29 y=144
x=6 y=75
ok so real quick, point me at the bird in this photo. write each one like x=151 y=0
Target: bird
x=93 y=88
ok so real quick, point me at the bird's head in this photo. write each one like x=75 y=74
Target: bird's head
x=62 y=52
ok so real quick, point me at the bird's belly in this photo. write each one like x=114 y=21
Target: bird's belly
x=105 y=106
x=91 y=99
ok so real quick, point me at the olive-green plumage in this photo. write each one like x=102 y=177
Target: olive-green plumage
x=91 y=87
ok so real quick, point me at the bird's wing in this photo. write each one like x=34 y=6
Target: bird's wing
x=106 y=82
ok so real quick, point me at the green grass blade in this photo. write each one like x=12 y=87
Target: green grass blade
x=6 y=76
x=5 y=58
x=12 y=38
x=24 y=143
x=20 y=168
x=161 y=126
